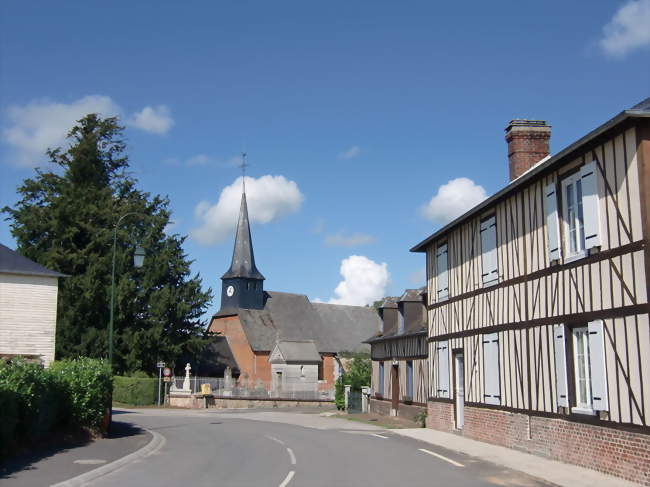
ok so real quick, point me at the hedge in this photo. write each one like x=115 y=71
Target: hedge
x=138 y=391
x=34 y=401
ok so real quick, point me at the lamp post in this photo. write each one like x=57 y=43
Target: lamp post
x=138 y=260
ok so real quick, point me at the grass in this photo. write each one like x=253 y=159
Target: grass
x=382 y=422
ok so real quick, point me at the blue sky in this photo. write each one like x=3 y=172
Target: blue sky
x=353 y=114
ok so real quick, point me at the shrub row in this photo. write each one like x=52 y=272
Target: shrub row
x=34 y=401
x=137 y=391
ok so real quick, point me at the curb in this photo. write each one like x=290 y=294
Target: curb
x=156 y=443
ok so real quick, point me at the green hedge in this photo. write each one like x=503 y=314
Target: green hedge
x=138 y=391
x=35 y=401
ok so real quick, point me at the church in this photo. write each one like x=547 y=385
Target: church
x=282 y=341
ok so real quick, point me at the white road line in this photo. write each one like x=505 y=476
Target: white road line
x=379 y=436
x=286 y=481
x=292 y=456
x=275 y=439
x=453 y=462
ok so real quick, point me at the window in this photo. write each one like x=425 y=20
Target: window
x=302 y=371
x=580 y=214
x=321 y=371
x=581 y=367
x=400 y=319
x=573 y=216
x=589 y=372
x=490 y=273
x=380 y=388
x=491 y=383
x=409 y=379
x=442 y=273
x=442 y=368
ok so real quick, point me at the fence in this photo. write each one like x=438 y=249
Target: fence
x=221 y=387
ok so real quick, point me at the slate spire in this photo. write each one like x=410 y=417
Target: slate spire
x=243 y=260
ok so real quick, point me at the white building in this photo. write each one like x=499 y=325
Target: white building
x=28 y=300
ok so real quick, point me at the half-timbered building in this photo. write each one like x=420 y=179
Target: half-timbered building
x=399 y=357
x=539 y=336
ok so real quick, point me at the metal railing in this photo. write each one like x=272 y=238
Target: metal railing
x=221 y=387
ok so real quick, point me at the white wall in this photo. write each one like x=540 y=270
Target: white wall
x=28 y=315
x=292 y=379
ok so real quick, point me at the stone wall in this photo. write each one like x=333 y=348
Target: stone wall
x=383 y=407
x=199 y=402
x=613 y=451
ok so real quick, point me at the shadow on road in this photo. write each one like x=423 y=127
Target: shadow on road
x=27 y=456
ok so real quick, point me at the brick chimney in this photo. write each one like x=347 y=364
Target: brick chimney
x=528 y=143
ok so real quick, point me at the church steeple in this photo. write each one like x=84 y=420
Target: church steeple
x=242 y=285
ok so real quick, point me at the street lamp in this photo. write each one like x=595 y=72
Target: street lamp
x=138 y=260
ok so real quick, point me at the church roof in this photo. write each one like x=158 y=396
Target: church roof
x=292 y=317
x=296 y=351
x=243 y=259
x=12 y=262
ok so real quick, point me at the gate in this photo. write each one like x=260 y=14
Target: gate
x=354 y=402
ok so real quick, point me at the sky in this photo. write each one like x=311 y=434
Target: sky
x=367 y=124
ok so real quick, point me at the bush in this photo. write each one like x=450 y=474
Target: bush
x=86 y=385
x=9 y=408
x=138 y=391
x=339 y=394
x=38 y=400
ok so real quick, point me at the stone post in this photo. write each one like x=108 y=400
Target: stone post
x=347 y=396
x=365 y=398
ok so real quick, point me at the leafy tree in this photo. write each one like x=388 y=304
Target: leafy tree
x=65 y=220
x=359 y=372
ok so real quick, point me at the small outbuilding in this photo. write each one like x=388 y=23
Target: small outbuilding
x=28 y=304
x=295 y=366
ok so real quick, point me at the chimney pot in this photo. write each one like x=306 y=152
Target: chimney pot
x=528 y=143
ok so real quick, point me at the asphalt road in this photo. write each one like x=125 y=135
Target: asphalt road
x=288 y=449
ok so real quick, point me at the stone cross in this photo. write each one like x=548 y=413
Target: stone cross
x=186 y=382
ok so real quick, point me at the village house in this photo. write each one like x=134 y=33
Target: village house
x=253 y=322
x=539 y=337
x=400 y=371
x=28 y=302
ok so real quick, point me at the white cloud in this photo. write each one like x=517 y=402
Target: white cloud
x=350 y=153
x=269 y=198
x=352 y=240
x=364 y=281
x=43 y=124
x=453 y=199
x=155 y=120
x=629 y=29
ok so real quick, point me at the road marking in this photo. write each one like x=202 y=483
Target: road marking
x=272 y=438
x=287 y=479
x=453 y=462
x=379 y=436
x=292 y=456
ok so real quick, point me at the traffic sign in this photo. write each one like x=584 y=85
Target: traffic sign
x=160 y=364
x=167 y=371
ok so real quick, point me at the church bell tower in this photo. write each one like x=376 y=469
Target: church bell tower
x=242 y=286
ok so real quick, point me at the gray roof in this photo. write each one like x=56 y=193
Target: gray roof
x=299 y=351
x=292 y=317
x=414 y=295
x=243 y=259
x=13 y=263
x=640 y=110
x=389 y=302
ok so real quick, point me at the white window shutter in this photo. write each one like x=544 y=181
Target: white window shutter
x=490 y=273
x=590 y=212
x=443 y=368
x=559 y=340
x=597 y=365
x=442 y=272
x=492 y=392
x=552 y=222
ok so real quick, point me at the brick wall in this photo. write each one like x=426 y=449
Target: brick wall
x=408 y=411
x=608 y=450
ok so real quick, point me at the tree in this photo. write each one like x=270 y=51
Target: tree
x=65 y=220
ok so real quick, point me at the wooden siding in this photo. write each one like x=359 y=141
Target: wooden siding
x=399 y=347
x=420 y=380
x=533 y=294
x=28 y=315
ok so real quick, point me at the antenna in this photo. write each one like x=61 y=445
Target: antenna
x=243 y=171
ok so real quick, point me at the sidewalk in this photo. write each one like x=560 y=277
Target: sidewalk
x=56 y=463
x=558 y=473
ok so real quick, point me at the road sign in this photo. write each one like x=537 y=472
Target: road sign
x=160 y=365
x=167 y=379
x=167 y=372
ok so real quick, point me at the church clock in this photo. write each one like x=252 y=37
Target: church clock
x=230 y=290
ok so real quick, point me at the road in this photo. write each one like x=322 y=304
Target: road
x=288 y=449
